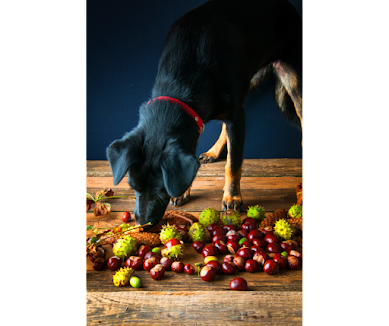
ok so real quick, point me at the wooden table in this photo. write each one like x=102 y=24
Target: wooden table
x=181 y=299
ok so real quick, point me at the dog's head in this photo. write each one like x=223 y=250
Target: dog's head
x=158 y=168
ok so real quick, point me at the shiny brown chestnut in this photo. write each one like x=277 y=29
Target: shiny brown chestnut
x=267 y=230
x=238 y=284
x=166 y=263
x=255 y=248
x=209 y=250
x=245 y=253
x=177 y=267
x=271 y=238
x=218 y=237
x=221 y=247
x=232 y=246
x=157 y=272
x=143 y=250
x=198 y=246
x=135 y=262
x=239 y=263
x=254 y=234
x=215 y=265
x=189 y=269
x=260 y=257
x=259 y=242
x=99 y=264
x=230 y=227
x=280 y=260
x=243 y=233
x=208 y=273
x=150 y=263
x=228 y=258
x=248 y=227
x=152 y=254
x=211 y=226
x=293 y=262
x=274 y=248
x=114 y=263
x=251 y=266
x=228 y=268
x=218 y=230
x=270 y=267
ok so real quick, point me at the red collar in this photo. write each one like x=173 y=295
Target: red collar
x=186 y=108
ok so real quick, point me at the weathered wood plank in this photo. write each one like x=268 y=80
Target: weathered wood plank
x=270 y=199
x=194 y=308
x=208 y=183
x=250 y=168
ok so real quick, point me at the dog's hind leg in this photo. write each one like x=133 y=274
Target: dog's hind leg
x=232 y=197
x=215 y=151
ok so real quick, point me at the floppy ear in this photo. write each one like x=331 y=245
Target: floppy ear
x=178 y=169
x=123 y=153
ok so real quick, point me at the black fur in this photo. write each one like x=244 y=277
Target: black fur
x=211 y=58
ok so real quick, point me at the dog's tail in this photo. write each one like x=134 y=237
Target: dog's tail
x=287 y=82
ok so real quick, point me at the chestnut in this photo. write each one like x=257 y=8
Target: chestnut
x=254 y=234
x=243 y=233
x=150 y=263
x=189 y=269
x=270 y=267
x=114 y=263
x=177 y=267
x=218 y=230
x=271 y=238
x=100 y=253
x=221 y=247
x=274 y=247
x=293 y=262
x=245 y=253
x=166 y=263
x=229 y=258
x=218 y=237
x=135 y=262
x=288 y=245
x=247 y=244
x=172 y=242
x=238 y=284
x=233 y=236
x=248 y=227
x=230 y=227
x=143 y=250
x=255 y=248
x=296 y=254
x=251 y=266
x=208 y=273
x=271 y=254
x=260 y=257
x=267 y=230
x=211 y=226
x=280 y=260
x=152 y=254
x=157 y=272
x=232 y=246
x=239 y=263
x=198 y=246
x=209 y=250
x=259 y=242
x=214 y=264
x=228 y=268
x=98 y=264
x=250 y=220
x=126 y=217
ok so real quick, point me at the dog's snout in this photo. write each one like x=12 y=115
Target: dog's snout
x=147 y=211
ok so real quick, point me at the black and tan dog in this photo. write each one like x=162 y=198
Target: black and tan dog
x=211 y=58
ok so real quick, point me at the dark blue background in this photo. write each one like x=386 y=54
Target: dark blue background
x=124 y=41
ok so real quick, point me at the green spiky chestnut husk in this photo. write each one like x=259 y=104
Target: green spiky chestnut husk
x=175 y=253
x=122 y=276
x=283 y=229
x=232 y=217
x=209 y=216
x=257 y=212
x=124 y=247
x=295 y=211
x=197 y=232
x=169 y=232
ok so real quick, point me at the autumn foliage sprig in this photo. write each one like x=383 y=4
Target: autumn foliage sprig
x=101 y=208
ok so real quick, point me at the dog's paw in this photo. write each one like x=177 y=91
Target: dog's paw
x=232 y=202
x=179 y=201
x=207 y=158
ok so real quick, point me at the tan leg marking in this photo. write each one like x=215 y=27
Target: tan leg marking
x=215 y=151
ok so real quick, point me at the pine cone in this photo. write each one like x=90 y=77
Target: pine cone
x=273 y=218
x=146 y=238
x=297 y=222
x=176 y=218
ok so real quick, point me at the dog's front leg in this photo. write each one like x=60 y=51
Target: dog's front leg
x=232 y=197
x=178 y=201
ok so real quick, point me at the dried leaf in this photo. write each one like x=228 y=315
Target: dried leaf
x=108 y=192
x=101 y=208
